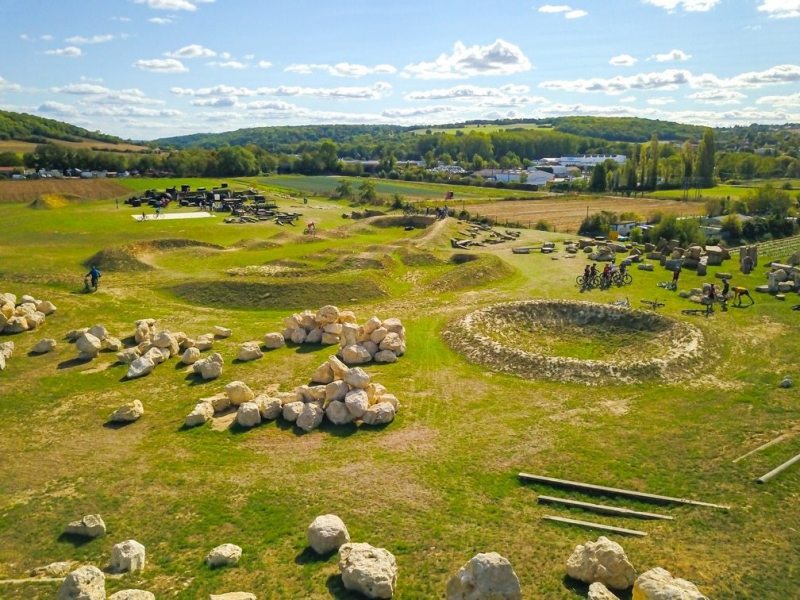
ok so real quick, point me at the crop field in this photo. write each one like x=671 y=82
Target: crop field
x=20 y=146
x=439 y=483
x=566 y=213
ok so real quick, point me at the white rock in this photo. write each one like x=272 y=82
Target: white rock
x=323 y=374
x=372 y=325
x=202 y=413
x=156 y=355
x=347 y=316
x=127 y=556
x=140 y=367
x=308 y=320
x=379 y=414
x=349 y=334
x=142 y=333
x=270 y=408
x=391 y=399
x=659 y=584
x=90 y=526
x=357 y=403
x=274 y=340
x=209 y=368
x=394 y=325
x=378 y=335
x=238 y=392
x=326 y=534
x=357 y=378
x=44 y=346
x=329 y=339
x=327 y=314
x=16 y=324
x=248 y=415
x=604 y=561
x=98 y=331
x=249 y=351
x=8 y=297
x=220 y=401
x=129 y=412
x=132 y=595
x=128 y=355
x=221 y=332
x=35 y=320
x=338 y=367
x=368 y=570
x=292 y=410
x=356 y=355
x=88 y=344
x=6 y=349
x=190 y=356
x=204 y=343
x=385 y=356
x=336 y=390
x=597 y=591
x=375 y=391
x=84 y=583
x=292 y=322
x=55 y=569
x=483 y=577
x=2 y=362
x=298 y=335
x=233 y=596
x=392 y=342
x=224 y=556
x=164 y=340
x=111 y=344
x=73 y=334
x=311 y=417
x=334 y=328
x=337 y=413
x=314 y=336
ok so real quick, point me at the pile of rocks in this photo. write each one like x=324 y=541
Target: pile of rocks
x=91 y=340
x=781 y=279
x=485 y=576
x=379 y=340
x=603 y=564
x=27 y=315
x=6 y=350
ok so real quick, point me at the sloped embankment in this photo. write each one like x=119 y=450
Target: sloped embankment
x=128 y=257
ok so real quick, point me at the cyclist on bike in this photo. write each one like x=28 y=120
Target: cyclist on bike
x=606 y=275
x=593 y=271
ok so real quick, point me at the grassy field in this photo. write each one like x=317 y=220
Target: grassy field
x=481 y=128
x=435 y=486
x=20 y=146
x=83 y=189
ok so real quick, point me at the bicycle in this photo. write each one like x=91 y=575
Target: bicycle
x=706 y=312
x=620 y=279
x=653 y=304
x=586 y=284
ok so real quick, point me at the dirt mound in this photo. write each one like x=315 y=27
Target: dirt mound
x=577 y=342
x=418 y=258
x=128 y=257
x=294 y=295
x=416 y=221
x=481 y=270
x=254 y=245
x=83 y=189
x=460 y=259
x=52 y=201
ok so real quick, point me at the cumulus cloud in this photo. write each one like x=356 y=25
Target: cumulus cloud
x=228 y=64
x=375 y=92
x=57 y=108
x=718 y=97
x=686 y=5
x=264 y=64
x=671 y=56
x=404 y=113
x=342 y=69
x=668 y=79
x=562 y=9
x=623 y=60
x=780 y=9
x=499 y=58
x=161 y=65
x=169 y=4
x=70 y=51
x=223 y=101
x=663 y=101
x=789 y=101
x=95 y=39
x=82 y=89
x=191 y=51
x=161 y=20
x=467 y=91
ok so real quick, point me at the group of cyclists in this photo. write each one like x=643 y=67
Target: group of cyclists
x=611 y=275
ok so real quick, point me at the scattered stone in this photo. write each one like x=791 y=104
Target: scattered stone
x=248 y=415
x=190 y=356
x=224 y=556
x=221 y=332
x=84 y=583
x=326 y=534
x=385 y=356
x=202 y=413
x=128 y=413
x=90 y=526
x=233 y=596
x=209 y=368
x=127 y=556
x=140 y=367
x=338 y=414
x=484 y=577
x=355 y=354
x=292 y=410
x=111 y=344
x=357 y=378
x=88 y=344
x=132 y=595
x=270 y=408
x=46 y=307
x=323 y=374
x=379 y=414
x=238 y=392
x=56 y=569
x=311 y=417
x=98 y=331
x=44 y=346
x=274 y=340
x=659 y=584
x=787 y=382
x=6 y=349
x=597 y=591
x=249 y=351
x=357 y=403
x=368 y=570
x=604 y=561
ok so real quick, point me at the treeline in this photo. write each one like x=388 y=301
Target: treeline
x=28 y=128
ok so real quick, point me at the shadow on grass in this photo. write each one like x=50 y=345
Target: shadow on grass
x=32 y=354
x=74 y=540
x=341 y=431
x=73 y=362
x=196 y=379
x=117 y=424
x=309 y=348
x=582 y=589
x=338 y=591
x=308 y=556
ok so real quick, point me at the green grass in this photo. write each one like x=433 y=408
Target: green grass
x=436 y=486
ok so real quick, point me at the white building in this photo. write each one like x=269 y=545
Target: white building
x=585 y=161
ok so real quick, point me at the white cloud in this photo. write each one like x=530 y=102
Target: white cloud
x=467 y=91
x=404 y=113
x=71 y=51
x=161 y=65
x=663 y=101
x=24 y=37
x=718 y=97
x=7 y=86
x=95 y=39
x=229 y=64
x=341 y=69
x=776 y=74
x=169 y=4
x=264 y=64
x=46 y=37
x=671 y=56
x=270 y=105
x=789 y=101
x=161 y=20
x=668 y=79
x=562 y=9
x=499 y=58
x=627 y=99
x=223 y=101
x=191 y=51
x=575 y=14
x=121 y=19
x=374 y=92
x=780 y=9
x=686 y=5
x=82 y=89
x=623 y=60
x=57 y=108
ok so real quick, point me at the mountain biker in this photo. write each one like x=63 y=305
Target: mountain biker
x=94 y=276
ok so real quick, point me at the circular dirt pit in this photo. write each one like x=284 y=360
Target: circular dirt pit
x=577 y=342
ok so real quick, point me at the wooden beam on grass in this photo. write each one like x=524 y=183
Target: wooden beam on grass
x=603 y=509
x=601 y=489
x=600 y=526
x=778 y=470
x=778 y=439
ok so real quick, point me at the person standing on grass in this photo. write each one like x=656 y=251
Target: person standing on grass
x=158 y=211
x=94 y=276
x=675 y=275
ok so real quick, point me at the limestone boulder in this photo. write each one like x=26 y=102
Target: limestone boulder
x=36 y=319
x=140 y=367
x=392 y=342
x=274 y=340
x=349 y=334
x=111 y=344
x=127 y=413
x=357 y=378
x=238 y=392
x=327 y=314
x=311 y=417
x=298 y=335
x=248 y=415
x=597 y=591
x=357 y=403
x=55 y=569
x=132 y=595
x=356 y=355
x=6 y=349
x=220 y=402
x=2 y=362
x=368 y=570
x=336 y=390
x=292 y=410
x=659 y=584
x=190 y=356
x=323 y=374
x=84 y=583
x=44 y=346
x=16 y=324
x=385 y=356
x=209 y=368
x=89 y=526
x=233 y=596
x=98 y=331
x=378 y=335
x=379 y=414
x=603 y=561
x=372 y=324
x=326 y=534
x=314 y=336
x=204 y=342
x=249 y=351
x=221 y=332
x=329 y=339
x=391 y=399
x=375 y=391
x=337 y=413
x=127 y=556
x=334 y=328
x=88 y=344
x=225 y=555
x=483 y=577
x=270 y=408
x=202 y=413
x=338 y=367
x=128 y=355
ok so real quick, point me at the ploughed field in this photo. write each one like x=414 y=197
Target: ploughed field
x=439 y=483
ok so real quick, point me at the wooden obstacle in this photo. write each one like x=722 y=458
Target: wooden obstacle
x=600 y=526
x=602 y=509
x=778 y=470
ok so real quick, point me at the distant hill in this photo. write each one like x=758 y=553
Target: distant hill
x=23 y=127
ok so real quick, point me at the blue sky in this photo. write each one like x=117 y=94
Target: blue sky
x=144 y=69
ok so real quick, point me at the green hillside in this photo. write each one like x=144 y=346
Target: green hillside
x=29 y=128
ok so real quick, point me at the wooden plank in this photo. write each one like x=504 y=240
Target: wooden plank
x=780 y=438
x=600 y=526
x=601 y=489
x=603 y=509
x=777 y=470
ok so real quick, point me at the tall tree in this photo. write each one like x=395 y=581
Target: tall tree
x=652 y=170
x=705 y=159
x=598 y=182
